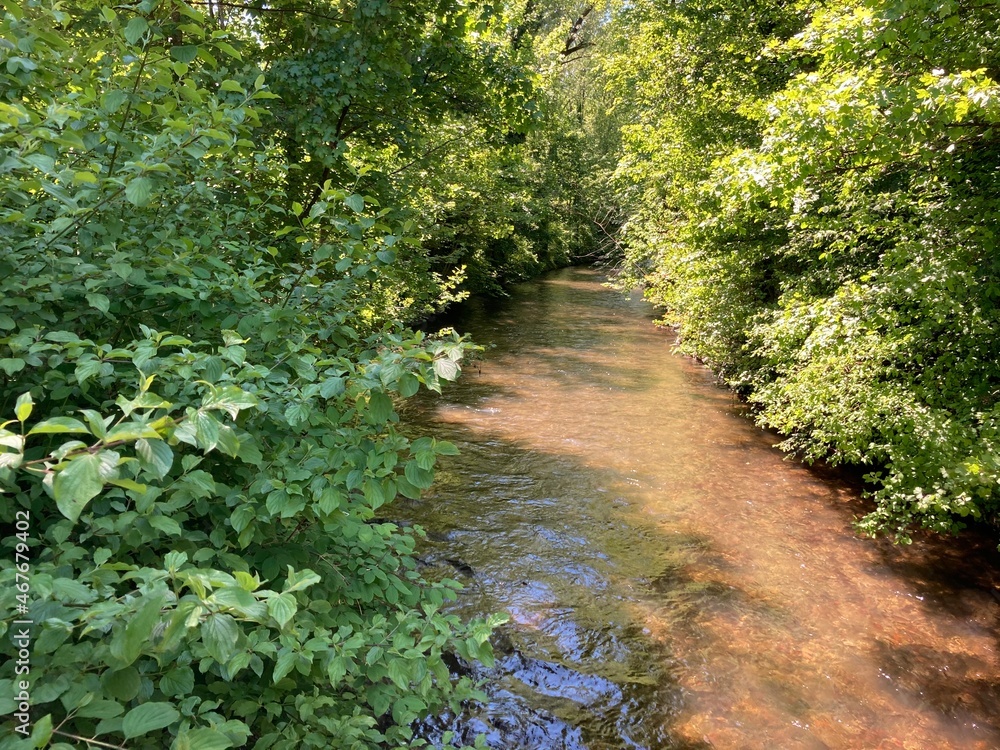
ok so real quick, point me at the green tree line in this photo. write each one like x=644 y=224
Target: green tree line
x=811 y=192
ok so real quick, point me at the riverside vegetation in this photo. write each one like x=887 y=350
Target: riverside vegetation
x=221 y=222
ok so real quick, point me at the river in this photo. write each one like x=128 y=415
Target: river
x=672 y=580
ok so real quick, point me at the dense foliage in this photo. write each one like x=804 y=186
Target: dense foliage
x=811 y=193
x=197 y=381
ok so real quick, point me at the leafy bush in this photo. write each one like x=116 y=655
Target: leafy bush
x=818 y=215
x=198 y=388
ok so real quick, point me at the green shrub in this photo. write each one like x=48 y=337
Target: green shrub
x=197 y=384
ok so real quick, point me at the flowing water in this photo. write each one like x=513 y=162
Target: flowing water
x=672 y=581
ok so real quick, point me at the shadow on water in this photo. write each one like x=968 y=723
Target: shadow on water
x=671 y=581
x=541 y=540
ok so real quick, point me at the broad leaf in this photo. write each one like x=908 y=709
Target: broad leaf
x=81 y=480
x=148 y=718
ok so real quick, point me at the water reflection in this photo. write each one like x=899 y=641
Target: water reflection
x=672 y=581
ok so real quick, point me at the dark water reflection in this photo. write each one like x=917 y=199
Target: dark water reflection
x=672 y=582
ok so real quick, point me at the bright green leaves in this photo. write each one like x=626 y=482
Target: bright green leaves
x=82 y=479
x=139 y=191
x=184 y=53
x=23 y=407
x=220 y=635
x=135 y=29
x=159 y=468
x=131 y=640
x=155 y=457
x=827 y=186
x=230 y=399
x=79 y=473
x=282 y=608
x=148 y=717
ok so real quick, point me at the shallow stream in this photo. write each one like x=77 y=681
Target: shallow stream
x=673 y=581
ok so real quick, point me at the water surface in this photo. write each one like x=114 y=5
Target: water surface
x=672 y=580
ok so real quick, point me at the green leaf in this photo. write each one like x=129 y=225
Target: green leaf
x=417 y=476
x=231 y=85
x=135 y=29
x=202 y=738
x=99 y=302
x=139 y=191
x=81 y=480
x=129 y=431
x=98 y=424
x=155 y=456
x=230 y=399
x=228 y=443
x=137 y=632
x=41 y=732
x=177 y=683
x=444 y=448
x=331 y=387
x=282 y=608
x=297 y=414
x=406 y=489
x=184 y=53
x=219 y=633
x=355 y=202
x=57 y=425
x=84 y=178
x=113 y=100
x=228 y=49
x=10 y=365
x=122 y=684
x=101 y=709
x=206 y=430
x=399 y=674
x=86 y=369
x=283 y=666
x=148 y=718
x=23 y=407
x=408 y=384
x=239 y=599
x=166 y=524
x=330 y=499
x=446 y=368
x=72 y=592
x=302 y=579
x=380 y=407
